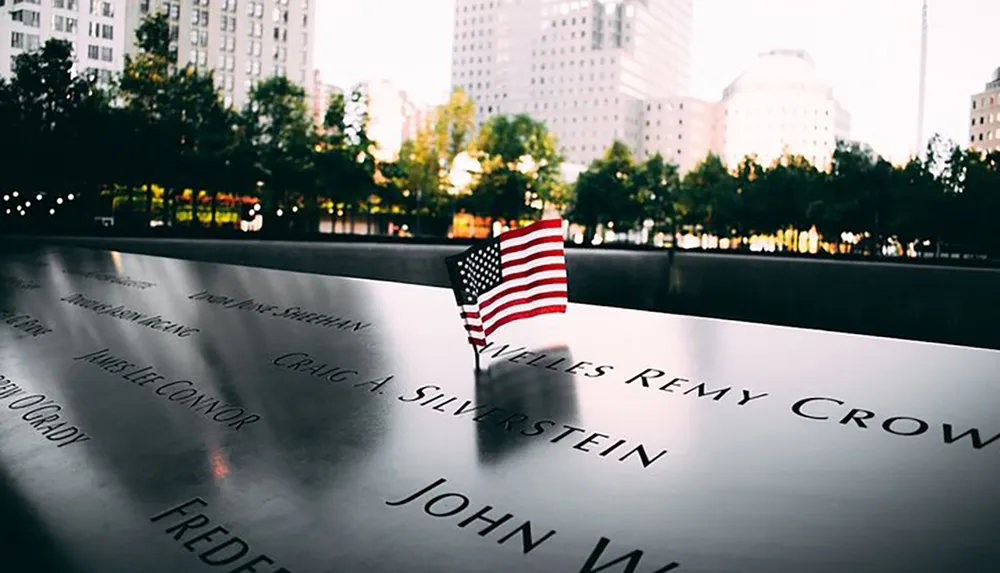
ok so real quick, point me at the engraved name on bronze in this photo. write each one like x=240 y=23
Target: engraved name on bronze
x=317 y=319
x=828 y=409
x=124 y=313
x=17 y=283
x=215 y=546
x=42 y=413
x=23 y=323
x=523 y=426
x=182 y=392
x=491 y=523
x=504 y=420
x=456 y=505
x=112 y=279
x=325 y=370
x=643 y=379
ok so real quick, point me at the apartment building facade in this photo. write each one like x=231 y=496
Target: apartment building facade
x=319 y=99
x=242 y=41
x=984 y=112
x=96 y=29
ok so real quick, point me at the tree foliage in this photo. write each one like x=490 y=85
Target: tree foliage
x=520 y=169
x=951 y=199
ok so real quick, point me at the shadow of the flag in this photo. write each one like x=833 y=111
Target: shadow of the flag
x=535 y=392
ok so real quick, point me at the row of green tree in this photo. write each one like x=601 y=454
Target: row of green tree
x=950 y=197
x=163 y=126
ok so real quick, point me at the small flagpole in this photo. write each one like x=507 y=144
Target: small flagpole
x=476 y=353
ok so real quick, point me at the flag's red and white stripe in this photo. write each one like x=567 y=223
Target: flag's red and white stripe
x=533 y=271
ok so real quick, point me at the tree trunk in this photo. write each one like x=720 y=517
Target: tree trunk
x=215 y=209
x=195 y=222
x=149 y=205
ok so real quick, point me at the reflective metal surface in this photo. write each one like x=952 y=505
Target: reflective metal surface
x=164 y=415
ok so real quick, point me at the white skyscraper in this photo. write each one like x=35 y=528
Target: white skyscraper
x=244 y=41
x=587 y=68
x=96 y=28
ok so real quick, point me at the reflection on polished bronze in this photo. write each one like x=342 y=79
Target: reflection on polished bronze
x=313 y=423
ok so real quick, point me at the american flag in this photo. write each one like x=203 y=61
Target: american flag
x=518 y=275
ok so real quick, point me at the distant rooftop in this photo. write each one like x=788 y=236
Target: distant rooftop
x=790 y=53
x=778 y=69
x=995 y=82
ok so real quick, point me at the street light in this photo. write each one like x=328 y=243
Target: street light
x=70 y=197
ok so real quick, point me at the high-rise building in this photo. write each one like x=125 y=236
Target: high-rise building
x=587 y=68
x=96 y=28
x=682 y=129
x=415 y=116
x=319 y=99
x=984 y=128
x=392 y=116
x=780 y=105
x=243 y=41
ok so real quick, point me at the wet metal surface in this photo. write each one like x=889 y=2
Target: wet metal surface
x=167 y=415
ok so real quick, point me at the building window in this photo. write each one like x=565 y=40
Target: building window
x=17 y=40
x=106 y=54
x=28 y=18
x=107 y=32
x=93 y=52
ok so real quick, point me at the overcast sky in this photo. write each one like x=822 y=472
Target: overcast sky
x=867 y=49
